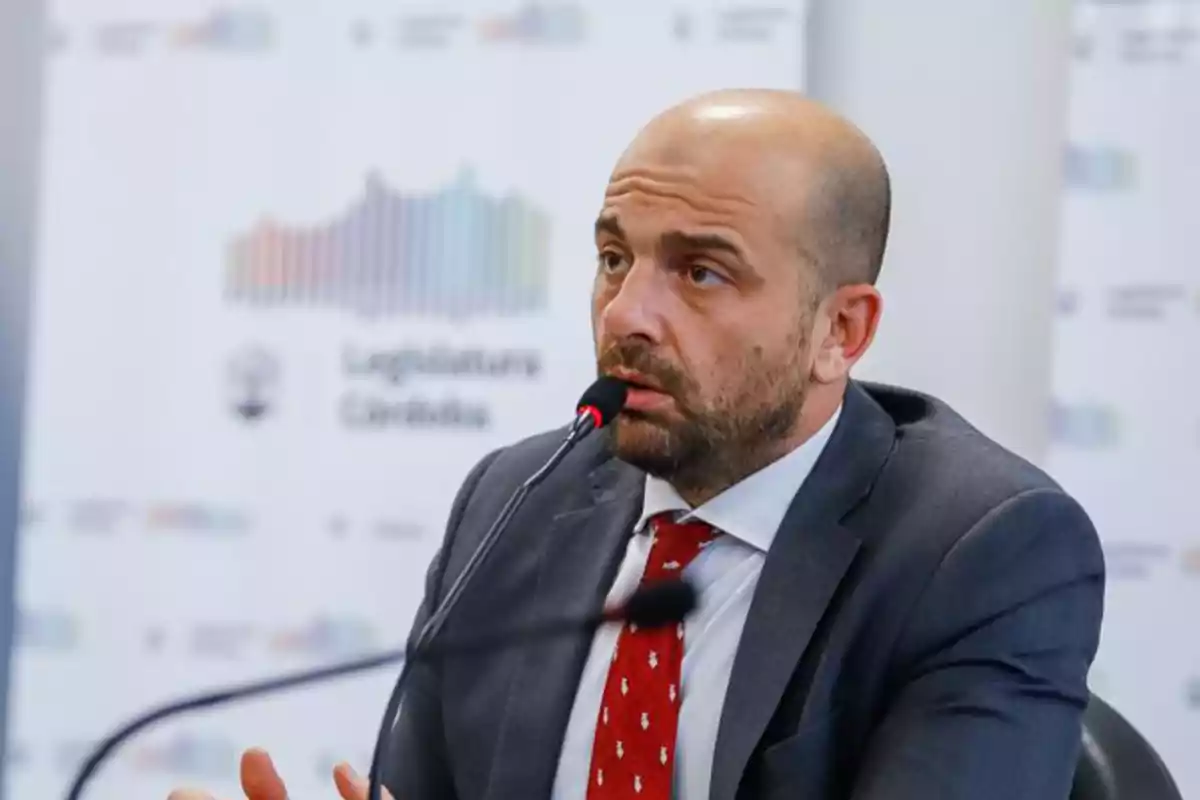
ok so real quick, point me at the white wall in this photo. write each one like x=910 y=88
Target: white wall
x=966 y=99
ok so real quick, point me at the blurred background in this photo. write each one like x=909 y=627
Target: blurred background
x=274 y=275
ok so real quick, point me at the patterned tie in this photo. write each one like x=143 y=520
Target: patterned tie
x=633 y=755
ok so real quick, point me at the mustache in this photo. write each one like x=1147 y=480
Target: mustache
x=639 y=358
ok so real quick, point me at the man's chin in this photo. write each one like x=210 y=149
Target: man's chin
x=633 y=427
x=642 y=443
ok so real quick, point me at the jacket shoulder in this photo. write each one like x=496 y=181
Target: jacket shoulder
x=939 y=452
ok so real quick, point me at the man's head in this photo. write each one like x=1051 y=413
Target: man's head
x=737 y=249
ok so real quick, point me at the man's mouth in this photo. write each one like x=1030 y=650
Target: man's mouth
x=636 y=380
x=645 y=394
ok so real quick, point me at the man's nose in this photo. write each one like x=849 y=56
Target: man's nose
x=636 y=310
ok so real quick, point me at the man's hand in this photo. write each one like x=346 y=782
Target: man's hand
x=260 y=781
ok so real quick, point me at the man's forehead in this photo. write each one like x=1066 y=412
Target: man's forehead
x=684 y=197
x=704 y=189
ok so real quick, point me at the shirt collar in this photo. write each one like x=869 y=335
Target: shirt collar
x=752 y=509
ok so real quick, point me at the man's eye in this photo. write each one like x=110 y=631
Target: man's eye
x=703 y=276
x=611 y=260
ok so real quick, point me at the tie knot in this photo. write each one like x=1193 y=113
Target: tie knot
x=675 y=545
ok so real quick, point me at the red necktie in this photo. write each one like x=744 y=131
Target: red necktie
x=633 y=755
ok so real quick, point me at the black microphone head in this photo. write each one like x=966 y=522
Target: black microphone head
x=661 y=603
x=604 y=399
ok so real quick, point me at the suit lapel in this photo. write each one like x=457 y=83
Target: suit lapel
x=580 y=554
x=807 y=562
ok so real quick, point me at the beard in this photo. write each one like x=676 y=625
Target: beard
x=702 y=447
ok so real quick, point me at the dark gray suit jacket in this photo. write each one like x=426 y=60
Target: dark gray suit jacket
x=922 y=629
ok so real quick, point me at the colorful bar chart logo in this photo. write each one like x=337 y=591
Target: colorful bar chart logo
x=454 y=253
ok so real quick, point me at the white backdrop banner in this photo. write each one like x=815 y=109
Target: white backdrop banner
x=301 y=264
x=1127 y=430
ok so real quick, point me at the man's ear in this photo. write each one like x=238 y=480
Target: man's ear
x=845 y=327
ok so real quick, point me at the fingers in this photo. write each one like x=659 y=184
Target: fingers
x=260 y=781
x=351 y=785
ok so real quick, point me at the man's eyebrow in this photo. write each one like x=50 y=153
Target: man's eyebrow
x=678 y=240
x=606 y=223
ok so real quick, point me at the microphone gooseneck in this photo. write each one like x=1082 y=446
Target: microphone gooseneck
x=648 y=607
x=598 y=405
x=661 y=603
x=651 y=606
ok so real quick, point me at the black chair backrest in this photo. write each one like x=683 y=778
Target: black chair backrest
x=1116 y=762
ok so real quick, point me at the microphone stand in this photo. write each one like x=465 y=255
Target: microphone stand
x=584 y=423
x=666 y=603
x=605 y=397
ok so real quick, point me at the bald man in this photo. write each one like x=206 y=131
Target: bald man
x=891 y=606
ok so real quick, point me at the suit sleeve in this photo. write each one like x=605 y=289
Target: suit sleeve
x=417 y=764
x=992 y=687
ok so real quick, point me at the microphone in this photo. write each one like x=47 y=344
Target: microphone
x=598 y=405
x=654 y=605
x=602 y=401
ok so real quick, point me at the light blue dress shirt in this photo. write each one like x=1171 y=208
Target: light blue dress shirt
x=747 y=514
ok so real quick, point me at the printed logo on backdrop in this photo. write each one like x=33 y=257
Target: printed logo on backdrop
x=683 y=26
x=187 y=755
x=197 y=518
x=46 y=629
x=155 y=639
x=1167 y=37
x=428 y=31
x=1067 y=302
x=400 y=369
x=97 y=516
x=253 y=378
x=455 y=255
x=126 y=37
x=536 y=23
x=325 y=637
x=753 y=24
x=215 y=639
x=1099 y=168
x=363 y=33
x=1146 y=301
x=397 y=530
x=237 y=30
x=225 y=30
x=383 y=529
x=1088 y=426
